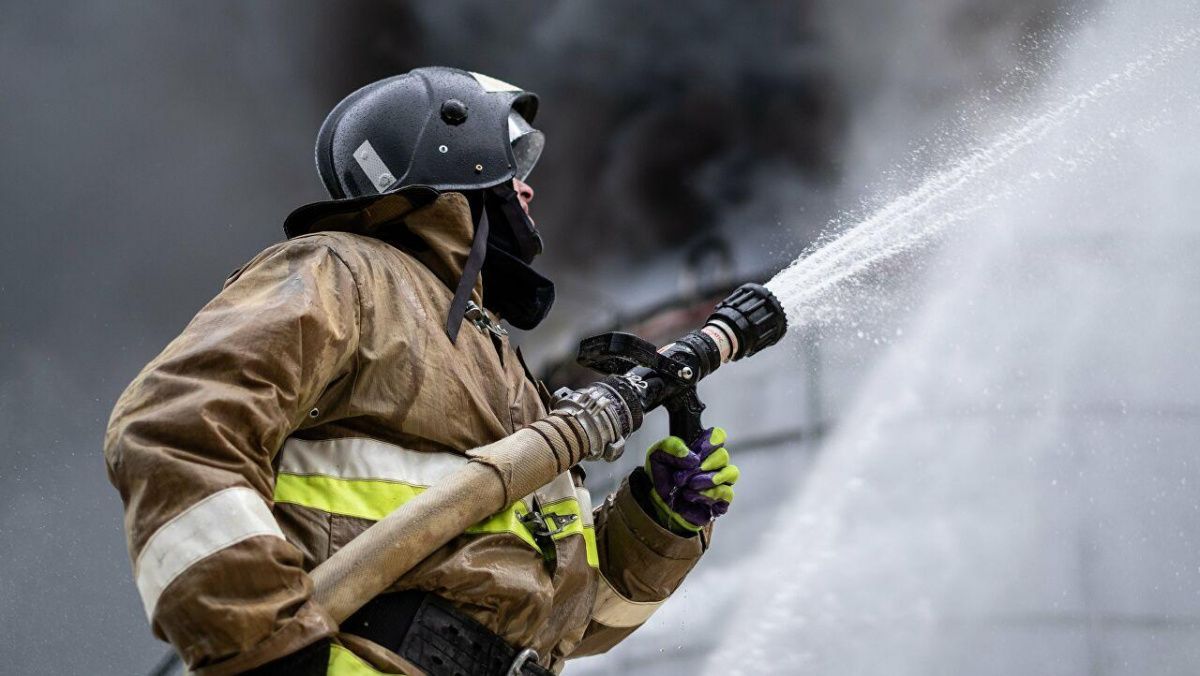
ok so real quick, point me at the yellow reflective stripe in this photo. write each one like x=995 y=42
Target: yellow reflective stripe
x=363 y=498
x=589 y=546
x=571 y=507
x=342 y=662
x=372 y=499
x=566 y=507
x=508 y=521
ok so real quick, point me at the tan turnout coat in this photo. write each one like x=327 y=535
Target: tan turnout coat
x=317 y=392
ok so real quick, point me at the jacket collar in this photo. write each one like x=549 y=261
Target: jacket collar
x=434 y=228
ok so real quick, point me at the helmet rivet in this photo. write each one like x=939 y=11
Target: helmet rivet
x=454 y=112
x=478 y=168
x=443 y=149
x=385 y=179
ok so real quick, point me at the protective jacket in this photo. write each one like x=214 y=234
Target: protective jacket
x=318 y=392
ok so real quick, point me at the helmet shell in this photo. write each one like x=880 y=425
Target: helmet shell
x=442 y=128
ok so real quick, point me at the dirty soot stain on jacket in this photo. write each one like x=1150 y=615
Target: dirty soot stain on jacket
x=316 y=393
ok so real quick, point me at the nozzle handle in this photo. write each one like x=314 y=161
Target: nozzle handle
x=683 y=414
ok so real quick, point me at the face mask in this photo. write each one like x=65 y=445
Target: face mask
x=515 y=291
x=511 y=288
x=511 y=230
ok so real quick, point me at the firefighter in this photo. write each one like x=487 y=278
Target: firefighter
x=340 y=373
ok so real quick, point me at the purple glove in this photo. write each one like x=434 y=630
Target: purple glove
x=691 y=485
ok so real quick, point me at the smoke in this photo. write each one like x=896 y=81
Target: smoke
x=657 y=114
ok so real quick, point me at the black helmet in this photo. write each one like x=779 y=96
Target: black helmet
x=443 y=128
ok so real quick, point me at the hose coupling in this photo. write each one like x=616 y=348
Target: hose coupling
x=603 y=414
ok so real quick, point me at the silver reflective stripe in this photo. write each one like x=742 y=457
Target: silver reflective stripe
x=220 y=520
x=560 y=489
x=367 y=459
x=614 y=610
x=585 y=505
x=491 y=84
x=373 y=166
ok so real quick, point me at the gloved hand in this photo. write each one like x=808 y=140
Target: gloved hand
x=690 y=486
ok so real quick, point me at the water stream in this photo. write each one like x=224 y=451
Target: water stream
x=1013 y=489
x=810 y=287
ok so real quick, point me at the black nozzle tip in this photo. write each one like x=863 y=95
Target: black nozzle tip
x=756 y=317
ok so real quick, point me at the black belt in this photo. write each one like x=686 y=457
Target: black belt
x=429 y=632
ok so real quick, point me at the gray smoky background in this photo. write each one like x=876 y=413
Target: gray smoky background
x=150 y=148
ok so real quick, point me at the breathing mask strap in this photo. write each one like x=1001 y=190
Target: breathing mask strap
x=466 y=283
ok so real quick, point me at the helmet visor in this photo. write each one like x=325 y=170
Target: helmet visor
x=527 y=144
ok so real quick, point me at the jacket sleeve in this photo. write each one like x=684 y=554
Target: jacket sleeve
x=641 y=564
x=190 y=445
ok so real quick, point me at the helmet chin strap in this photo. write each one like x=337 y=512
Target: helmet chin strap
x=466 y=283
x=502 y=255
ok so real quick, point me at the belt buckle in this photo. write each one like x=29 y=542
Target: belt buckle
x=524 y=657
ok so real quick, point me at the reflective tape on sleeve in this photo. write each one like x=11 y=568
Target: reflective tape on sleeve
x=614 y=610
x=220 y=520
